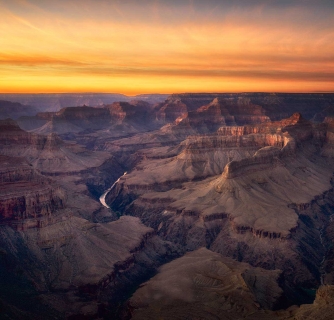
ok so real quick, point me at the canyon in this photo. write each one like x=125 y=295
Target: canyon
x=208 y=206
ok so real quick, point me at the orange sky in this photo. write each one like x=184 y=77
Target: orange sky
x=149 y=46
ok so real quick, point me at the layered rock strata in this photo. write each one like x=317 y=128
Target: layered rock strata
x=203 y=156
x=27 y=199
x=276 y=106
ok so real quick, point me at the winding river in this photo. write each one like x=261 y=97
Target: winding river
x=103 y=197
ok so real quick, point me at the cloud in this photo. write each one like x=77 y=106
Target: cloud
x=36 y=61
x=248 y=41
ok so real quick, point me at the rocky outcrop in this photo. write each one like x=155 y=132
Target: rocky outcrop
x=76 y=265
x=276 y=106
x=204 y=120
x=81 y=117
x=11 y=134
x=219 y=112
x=49 y=153
x=224 y=292
x=25 y=194
x=31 y=201
x=125 y=117
x=292 y=132
x=16 y=169
x=135 y=111
x=265 y=158
x=170 y=110
x=322 y=308
x=206 y=285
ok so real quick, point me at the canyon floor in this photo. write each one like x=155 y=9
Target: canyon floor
x=225 y=210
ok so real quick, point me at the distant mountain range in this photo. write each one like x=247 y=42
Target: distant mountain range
x=56 y=101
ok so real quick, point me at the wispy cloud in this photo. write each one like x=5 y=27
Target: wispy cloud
x=94 y=41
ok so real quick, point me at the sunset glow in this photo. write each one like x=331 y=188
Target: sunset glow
x=149 y=46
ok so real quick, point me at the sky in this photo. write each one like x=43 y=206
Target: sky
x=158 y=46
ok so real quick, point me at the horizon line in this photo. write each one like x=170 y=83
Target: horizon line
x=166 y=94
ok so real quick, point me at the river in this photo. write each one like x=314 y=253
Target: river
x=103 y=197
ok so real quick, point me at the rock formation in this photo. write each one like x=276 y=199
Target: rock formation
x=76 y=265
x=276 y=106
x=205 y=285
x=25 y=194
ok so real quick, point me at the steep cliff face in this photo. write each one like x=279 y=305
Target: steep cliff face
x=204 y=120
x=17 y=169
x=12 y=134
x=136 y=110
x=25 y=195
x=31 y=201
x=243 y=110
x=170 y=110
x=265 y=158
